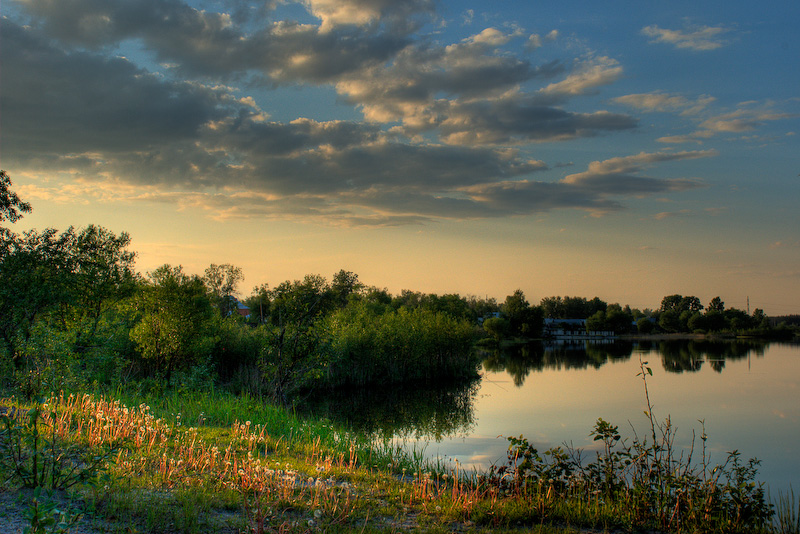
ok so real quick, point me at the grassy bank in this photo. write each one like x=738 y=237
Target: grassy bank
x=219 y=463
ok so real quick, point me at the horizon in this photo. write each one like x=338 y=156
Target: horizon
x=439 y=147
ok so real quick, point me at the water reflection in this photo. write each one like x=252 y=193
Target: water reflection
x=554 y=394
x=677 y=356
x=445 y=410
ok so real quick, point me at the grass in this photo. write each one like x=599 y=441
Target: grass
x=213 y=462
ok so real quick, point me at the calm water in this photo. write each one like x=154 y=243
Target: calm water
x=748 y=395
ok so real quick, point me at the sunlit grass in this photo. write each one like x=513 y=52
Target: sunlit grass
x=208 y=463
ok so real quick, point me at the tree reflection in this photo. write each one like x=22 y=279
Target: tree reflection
x=446 y=410
x=677 y=355
x=401 y=412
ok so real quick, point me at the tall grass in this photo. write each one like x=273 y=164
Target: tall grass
x=197 y=463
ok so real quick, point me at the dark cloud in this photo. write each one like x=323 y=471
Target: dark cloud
x=622 y=176
x=70 y=106
x=73 y=102
x=510 y=121
x=215 y=44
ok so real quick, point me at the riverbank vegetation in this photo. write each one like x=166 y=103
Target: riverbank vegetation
x=203 y=435
x=215 y=462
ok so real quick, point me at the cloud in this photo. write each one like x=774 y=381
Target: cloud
x=585 y=79
x=64 y=102
x=658 y=101
x=747 y=117
x=439 y=140
x=213 y=44
x=335 y=13
x=669 y=214
x=515 y=120
x=697 y=38
x=471 y=95
x=536 y=41
x=622 y=175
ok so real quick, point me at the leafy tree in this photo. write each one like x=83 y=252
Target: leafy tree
x=101 y=275
x=571 y=307
x=222 y=281
x=291 y=358
x=11 y=206
x=497 y=327
x=679 y=303
x=524 y=319
x=614 y=319
x=34 y=269
x=259 y=304
x=644 y=325
x=670 y=321
x=671 y=303
x=691 y=304
x=716 y=305
x=344 y=284
x=553 y=308
x=715 y=320
x=697 y=322
x=175 y=314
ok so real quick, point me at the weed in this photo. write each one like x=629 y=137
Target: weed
x=35 y=450
x=45 y=517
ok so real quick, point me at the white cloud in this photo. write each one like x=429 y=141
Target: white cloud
x=658 y=101
x=698 y=38
x=587 y=77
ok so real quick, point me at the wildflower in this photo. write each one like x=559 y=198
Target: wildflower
x=317 y=513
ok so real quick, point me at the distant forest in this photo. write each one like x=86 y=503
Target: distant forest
x=74 y=312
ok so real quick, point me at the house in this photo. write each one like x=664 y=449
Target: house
x=242 y=310
x=574 y=329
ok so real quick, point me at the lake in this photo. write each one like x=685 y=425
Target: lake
x=746 y=393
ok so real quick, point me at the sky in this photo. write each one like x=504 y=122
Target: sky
x=626 y=150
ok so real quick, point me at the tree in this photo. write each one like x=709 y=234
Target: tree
x=716 y=305
x=222 y=281
x=34 y=269
x=344 y=284
x=670 y=321
x=101 y=275
x=553 y=308
x=10 y=204
x=175 y=314
x=497 y=327
x=614 y=319
x=291 y=357
x=259 y=304
x=644 y=325
x=524 y=319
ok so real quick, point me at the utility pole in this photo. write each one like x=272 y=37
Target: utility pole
x=748 y=305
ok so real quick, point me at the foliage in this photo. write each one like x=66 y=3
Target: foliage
x=290 y=359
x=648 y=482
x=614 y=319
x=221 y=282
x=571 y=307
x=174 y=314
x=34 y=268
x=63 y=285
x=45 y=516
x=524 y=320
x=395 y=346
x=11 y=206
x=36 y=452
x=497 y=327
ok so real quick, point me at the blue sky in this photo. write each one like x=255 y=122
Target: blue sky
x=562 y=148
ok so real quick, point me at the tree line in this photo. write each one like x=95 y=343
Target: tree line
x=74 y=311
